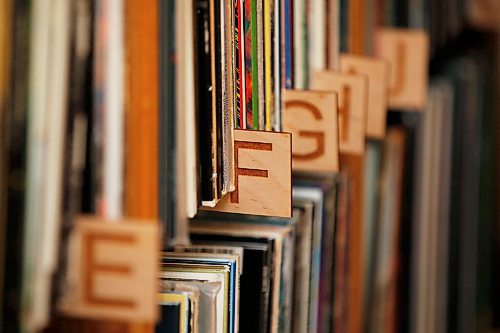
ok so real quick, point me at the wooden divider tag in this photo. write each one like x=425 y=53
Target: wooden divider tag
x=263 y=169
x=312 y=118
x=408 y=54
x=112 y=271
x=377 y=71
x=352 y=90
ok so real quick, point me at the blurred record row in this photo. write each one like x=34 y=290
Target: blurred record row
x=223 y=166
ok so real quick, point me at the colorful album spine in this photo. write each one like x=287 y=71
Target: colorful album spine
x=277 y=65
x=247 y=14
x=268 y=77
x=261 y=80
x=239 y=69
x=255 y=65
x=241 y=39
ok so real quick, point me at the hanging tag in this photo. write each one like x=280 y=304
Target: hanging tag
x=352 y=90
x=377 y=71
x=112 y=271
x=408 y=54
x=312 y=118
x=263 y=175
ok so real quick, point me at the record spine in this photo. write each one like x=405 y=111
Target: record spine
x=255 y=66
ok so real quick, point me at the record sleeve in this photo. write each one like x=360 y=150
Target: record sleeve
x=386 y=280
x=215 y=31
x=261 y=61
x=207 y=318
x=232 y=93
x=248 y=62
x=373 y=166
x=300 y=50
x=288 y=27
x=255 y=83
x=254 y=282
x=221 y=262
x=79 y=112
x=431 y=213
x=141 y=190
x=167 y=122
x=277 y=72
x=5 y=54
x=287 y=278
x=204 y=273
x=315 y=196
x=216 y=249
x=174 y=313
x=328 y=187
x=47 y=114
x=333 y=33
x=232 y=261
x=268 y=297
x=206 y=144
x=268 y=64
x=239 y=64
x=16 y=119
x=226 y=47
x=341 y=266
x=303 y=209
x=193 y=293
x=316 y=34
x=277 y=234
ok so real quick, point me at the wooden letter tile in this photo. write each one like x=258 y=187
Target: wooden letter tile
x=263 y=175
x=312 y=118
x=377 y=71
x=112 y=271
x=352 y=90
x=408 y=54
